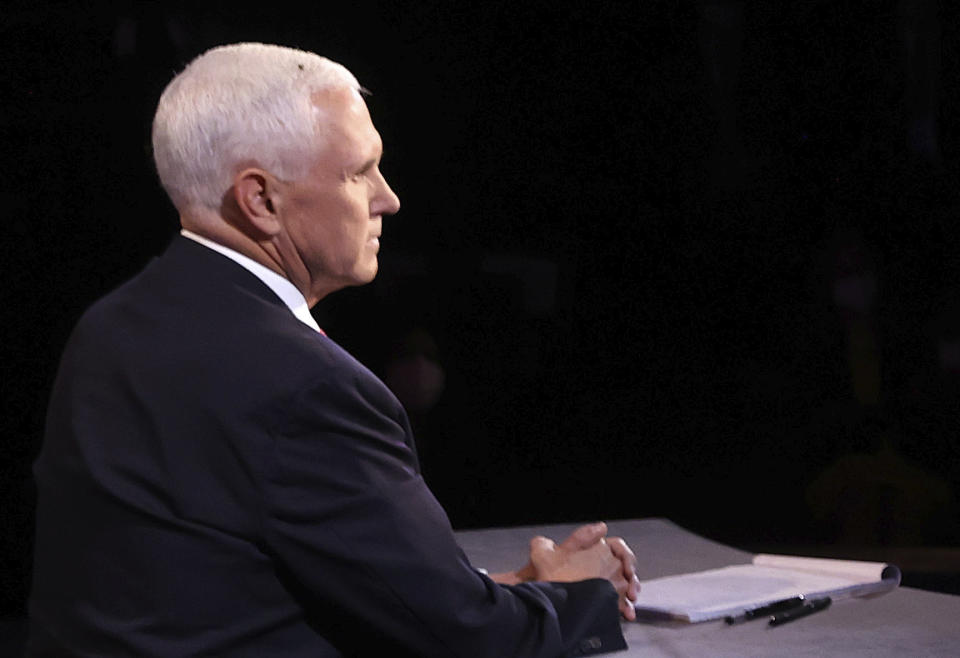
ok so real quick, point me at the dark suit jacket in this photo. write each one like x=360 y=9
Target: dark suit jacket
x=219 y=479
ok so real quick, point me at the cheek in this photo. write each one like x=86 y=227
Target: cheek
x=350 y=235
x=357 y=219
x=338 y=226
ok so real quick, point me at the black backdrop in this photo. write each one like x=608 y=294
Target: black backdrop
x=673 y=258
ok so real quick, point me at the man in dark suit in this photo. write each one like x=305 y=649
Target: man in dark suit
x=220 y=478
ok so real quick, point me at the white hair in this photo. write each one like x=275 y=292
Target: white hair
x=240 y=105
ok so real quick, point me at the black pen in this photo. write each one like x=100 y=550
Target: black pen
x=816 y=605
x=768 y=609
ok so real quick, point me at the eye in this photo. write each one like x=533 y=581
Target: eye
x=363 y=172
x=362 y=176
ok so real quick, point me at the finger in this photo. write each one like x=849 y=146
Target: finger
x=633 y=590
x=584 y=536
x=621 y=550
x=623 y=553
x=625 y=605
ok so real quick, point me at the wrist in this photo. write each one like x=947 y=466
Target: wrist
x=506 y=578
x=526 y=573
x=523 y=575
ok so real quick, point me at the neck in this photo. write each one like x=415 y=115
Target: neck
x=266 y=252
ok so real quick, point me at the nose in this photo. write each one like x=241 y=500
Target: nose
x=386 y=201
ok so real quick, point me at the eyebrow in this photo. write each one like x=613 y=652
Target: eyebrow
x=369 y=164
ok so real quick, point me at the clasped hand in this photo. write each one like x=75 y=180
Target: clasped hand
x=586 y=553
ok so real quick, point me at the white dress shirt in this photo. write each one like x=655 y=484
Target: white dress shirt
x=281 y=287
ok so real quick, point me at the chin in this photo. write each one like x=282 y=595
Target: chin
x=366 y=276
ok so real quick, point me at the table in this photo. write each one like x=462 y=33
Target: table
x=904 y=622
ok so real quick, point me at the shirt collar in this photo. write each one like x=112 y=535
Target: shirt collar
x=281 y=287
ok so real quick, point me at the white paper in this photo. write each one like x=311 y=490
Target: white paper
x=715 y=593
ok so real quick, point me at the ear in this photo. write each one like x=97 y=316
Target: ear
x=255 y=193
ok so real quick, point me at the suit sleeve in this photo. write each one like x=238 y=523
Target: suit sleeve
x=360 y=540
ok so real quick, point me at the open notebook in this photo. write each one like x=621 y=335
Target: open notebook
x=712 y=594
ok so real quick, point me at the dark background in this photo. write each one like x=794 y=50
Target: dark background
x=697 y=260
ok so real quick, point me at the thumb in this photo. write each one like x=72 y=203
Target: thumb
x=585 y=536
x=544 y=558
x=540 y=544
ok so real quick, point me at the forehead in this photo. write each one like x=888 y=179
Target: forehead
x=345 y=122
